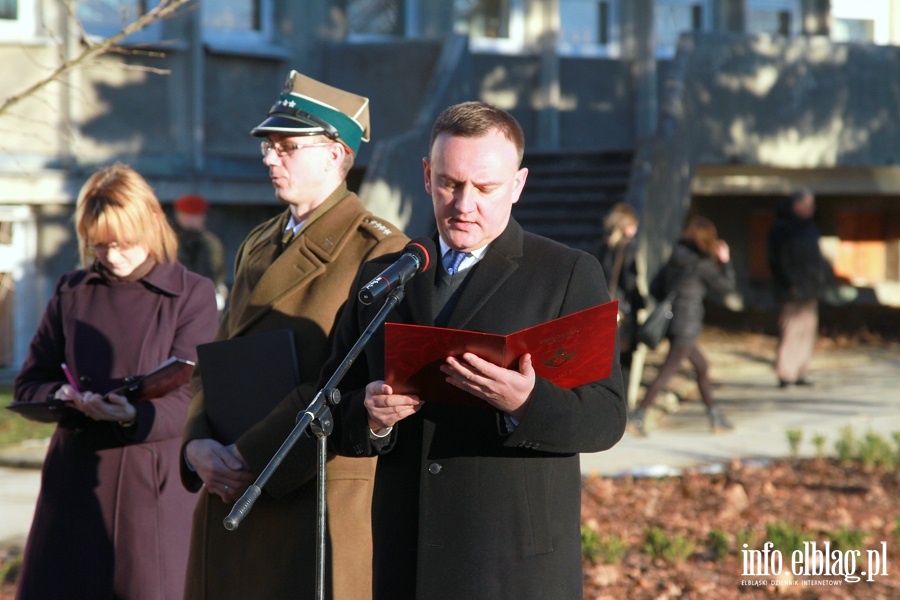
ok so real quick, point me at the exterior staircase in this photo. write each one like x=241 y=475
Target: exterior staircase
x=567 y=194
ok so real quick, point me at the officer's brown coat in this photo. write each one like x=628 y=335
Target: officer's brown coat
x=272 y=553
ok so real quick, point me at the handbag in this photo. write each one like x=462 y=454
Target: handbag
x=653 y=329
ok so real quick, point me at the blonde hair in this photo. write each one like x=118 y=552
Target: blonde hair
x=118 y=205
x=617 y=219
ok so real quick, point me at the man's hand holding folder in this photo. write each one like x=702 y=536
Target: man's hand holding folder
x=453 y=366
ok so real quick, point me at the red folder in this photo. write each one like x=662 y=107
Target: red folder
x=568 y=351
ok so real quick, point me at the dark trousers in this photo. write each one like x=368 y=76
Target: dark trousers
x=677 y=353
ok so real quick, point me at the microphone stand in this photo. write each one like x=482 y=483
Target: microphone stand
x=317 y=417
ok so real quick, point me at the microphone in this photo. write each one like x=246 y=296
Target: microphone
x=416 y=258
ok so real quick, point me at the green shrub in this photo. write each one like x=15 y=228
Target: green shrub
x=590 y=543
x=794 y=437
x=612 y=549
x=680 y=549
x=897 y=530
x=847 y=539
x=744 y=536
x=609 y=549
x=786 y=537
x=655 y=541
x=717 y=543
x=818 y=441
x=875 y=450
x=845 y=446
x=10 y=566
x=673 y=549
x=14 y=428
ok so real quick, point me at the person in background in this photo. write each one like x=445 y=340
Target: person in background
x=199 y=249
x=292 y=272
x=616 y=253
x=109 y=523
x=799 y=274
x=700 y=264
x=484 y=501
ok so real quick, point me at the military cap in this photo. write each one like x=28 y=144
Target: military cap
x=310 y=107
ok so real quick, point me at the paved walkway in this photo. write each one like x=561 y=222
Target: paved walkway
x=858 y=386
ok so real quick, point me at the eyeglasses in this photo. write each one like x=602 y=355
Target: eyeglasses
x=103 y=248
x=286 y=149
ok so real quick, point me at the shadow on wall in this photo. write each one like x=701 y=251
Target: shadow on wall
x=803 y=102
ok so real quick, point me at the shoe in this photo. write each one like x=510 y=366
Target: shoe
x=782 y=383
x=804 y=382
x=636 y=422
x=717 y=420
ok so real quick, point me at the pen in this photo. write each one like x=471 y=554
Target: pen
x=69 y=376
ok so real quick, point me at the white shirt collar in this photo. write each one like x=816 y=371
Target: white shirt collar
x=293 y=224
x=469 y=261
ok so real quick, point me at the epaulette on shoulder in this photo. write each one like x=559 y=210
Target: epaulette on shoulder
x=378 y=227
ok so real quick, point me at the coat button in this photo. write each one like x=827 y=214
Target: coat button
x=434 y=468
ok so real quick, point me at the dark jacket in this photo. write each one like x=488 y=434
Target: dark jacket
x=619 y=261
x=201 y=251
x=272 y=554
x=799 y=271
x=464 y=508
x=693 y=274
x=111 y=518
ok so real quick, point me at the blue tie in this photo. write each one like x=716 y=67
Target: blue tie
x=453 y=259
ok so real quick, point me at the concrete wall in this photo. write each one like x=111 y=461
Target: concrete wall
x=794 y=103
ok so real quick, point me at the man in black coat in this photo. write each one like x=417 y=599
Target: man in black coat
x=799 y=274
x=479 y=502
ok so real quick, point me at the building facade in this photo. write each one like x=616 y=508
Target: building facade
x=763 y=105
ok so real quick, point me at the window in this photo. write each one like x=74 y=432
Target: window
x=237 y=25
x=671 y=18
x=106 y=18
x=776 y=17
x=366 y=18
x=492 y=25
x=866 y=21
x=17 y=20
x=589 y=27
x=18 y=284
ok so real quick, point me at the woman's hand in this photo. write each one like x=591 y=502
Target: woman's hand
x=67 y=392
x=723 y=253
x=110 y=408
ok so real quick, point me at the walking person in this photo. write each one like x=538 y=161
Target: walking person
x=799 y=274
x=700 y=263
x=616 y=252
x=109 y=522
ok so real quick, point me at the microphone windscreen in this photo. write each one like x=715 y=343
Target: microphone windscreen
x=424 y=248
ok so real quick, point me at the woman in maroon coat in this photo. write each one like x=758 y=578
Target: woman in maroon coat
x=112 y=519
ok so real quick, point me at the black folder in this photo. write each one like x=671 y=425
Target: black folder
x=244 y=378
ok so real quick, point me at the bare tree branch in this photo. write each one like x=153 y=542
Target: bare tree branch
x=92 y=50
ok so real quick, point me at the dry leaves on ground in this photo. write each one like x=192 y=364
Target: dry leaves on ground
x=683 y=537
